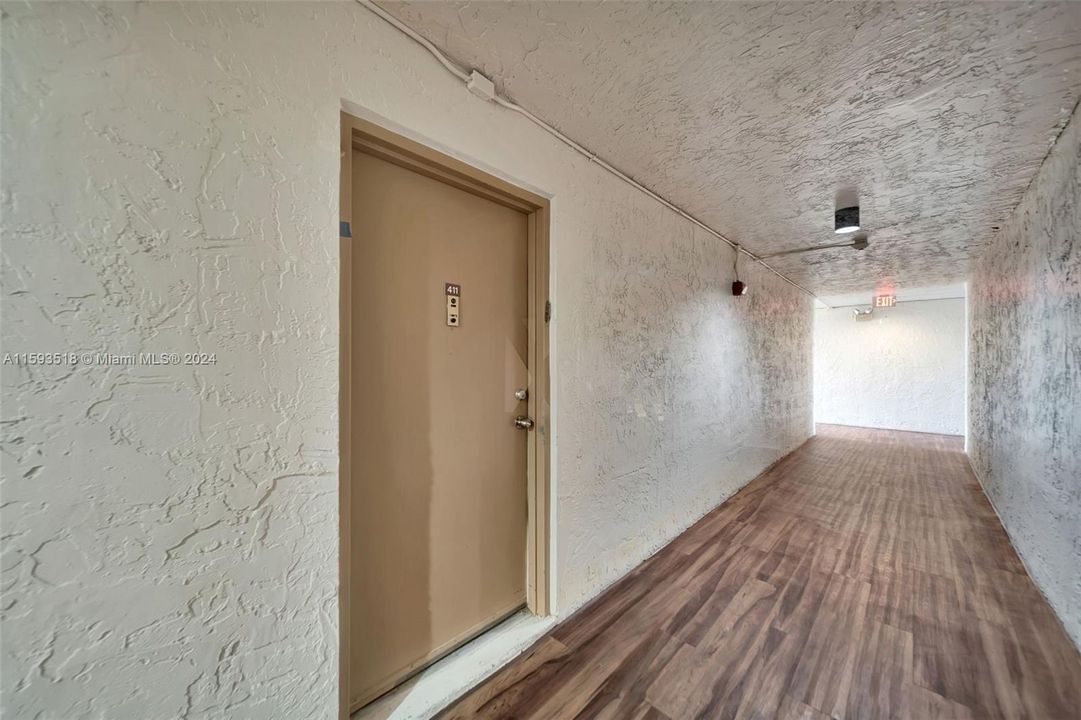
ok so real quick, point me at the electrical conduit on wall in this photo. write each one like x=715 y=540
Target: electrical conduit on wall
x=473 y=78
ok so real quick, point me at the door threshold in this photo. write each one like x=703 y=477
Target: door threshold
x=443 y=682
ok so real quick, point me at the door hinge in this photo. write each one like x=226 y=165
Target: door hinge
x=547 y=310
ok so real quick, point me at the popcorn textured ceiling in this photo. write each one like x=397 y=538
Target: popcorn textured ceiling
x=753 y=116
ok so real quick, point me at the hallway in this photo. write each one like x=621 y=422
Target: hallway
x=864 y=576
x=397 y=359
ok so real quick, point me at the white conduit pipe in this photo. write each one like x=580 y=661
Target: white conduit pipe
x=592 y=157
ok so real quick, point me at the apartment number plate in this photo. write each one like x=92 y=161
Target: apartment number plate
x=454 y=300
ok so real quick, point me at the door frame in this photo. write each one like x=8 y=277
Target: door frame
x=368 y=137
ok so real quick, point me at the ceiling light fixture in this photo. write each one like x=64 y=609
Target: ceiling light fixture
x=846 y=220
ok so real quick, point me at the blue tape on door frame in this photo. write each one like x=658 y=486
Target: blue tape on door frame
x=343 y=229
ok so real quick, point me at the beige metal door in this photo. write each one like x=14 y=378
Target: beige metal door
x=439 y=496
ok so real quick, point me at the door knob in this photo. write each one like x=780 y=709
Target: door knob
x=526 y=423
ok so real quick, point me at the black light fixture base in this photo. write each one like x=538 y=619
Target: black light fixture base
x=846 y=220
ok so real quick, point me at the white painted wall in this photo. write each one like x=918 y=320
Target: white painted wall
x=170 y=183
x=1025 y=375
x=903 y=370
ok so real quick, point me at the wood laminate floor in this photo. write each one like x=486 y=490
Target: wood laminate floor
x=864 y=576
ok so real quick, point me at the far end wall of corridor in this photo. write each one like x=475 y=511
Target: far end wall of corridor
x=904 y=369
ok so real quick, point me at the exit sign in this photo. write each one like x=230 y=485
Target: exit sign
x=885 y=300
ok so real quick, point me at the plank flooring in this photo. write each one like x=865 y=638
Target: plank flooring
x=864 y=576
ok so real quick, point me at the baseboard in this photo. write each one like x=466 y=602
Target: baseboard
x=891 y=429
x=684 y=529
x=600 y=593
x=1017 y=551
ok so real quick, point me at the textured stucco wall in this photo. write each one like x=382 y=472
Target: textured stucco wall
x=170 y=184
x=902 y=370
x=673 y=394
x=1025 y=377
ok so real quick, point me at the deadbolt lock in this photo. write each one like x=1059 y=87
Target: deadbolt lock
x=526 y=423
x=521 y=394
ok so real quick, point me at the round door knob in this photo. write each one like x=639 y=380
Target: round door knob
x=526 y=423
